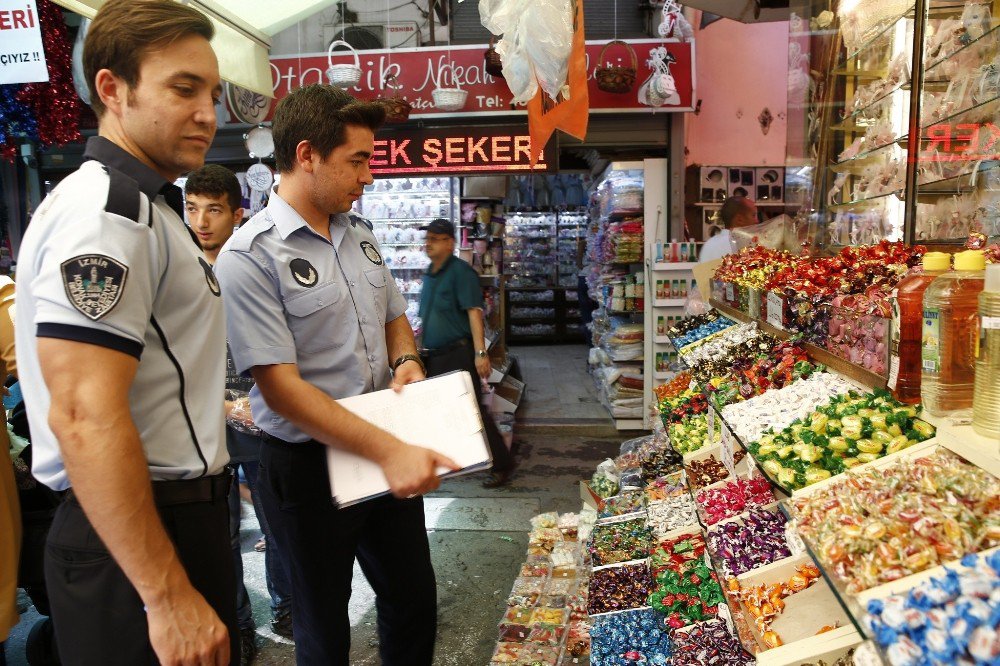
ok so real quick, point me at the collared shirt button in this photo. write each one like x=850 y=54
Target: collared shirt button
x=364 y=320
x=371 y=357
x=352 y=283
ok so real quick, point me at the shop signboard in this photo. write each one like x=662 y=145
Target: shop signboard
x=420 y=71
x=457 y=150
x=22 y=58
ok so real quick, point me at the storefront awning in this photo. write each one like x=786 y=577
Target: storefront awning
x=243 y=30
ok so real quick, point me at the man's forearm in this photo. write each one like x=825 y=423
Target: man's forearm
x=399 y=338
x=478 y=328
x=110 y=478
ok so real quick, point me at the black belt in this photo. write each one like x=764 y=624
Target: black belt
x=463 y=342
x=187 y=491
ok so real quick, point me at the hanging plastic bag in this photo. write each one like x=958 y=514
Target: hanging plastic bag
x=548 y=36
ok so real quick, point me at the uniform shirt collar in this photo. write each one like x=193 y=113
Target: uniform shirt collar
x=444 y=266
x=287 y=220
x=150 y=183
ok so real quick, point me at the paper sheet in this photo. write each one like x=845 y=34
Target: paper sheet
x=438 y=413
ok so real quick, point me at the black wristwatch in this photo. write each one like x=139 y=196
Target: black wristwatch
x=408 y=357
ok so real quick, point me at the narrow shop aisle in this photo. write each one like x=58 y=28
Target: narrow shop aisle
x=478 y=536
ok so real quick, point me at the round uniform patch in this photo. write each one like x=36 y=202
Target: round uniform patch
x=303 y=272
x=94 y=283
x=371 y=253
x=213 y=284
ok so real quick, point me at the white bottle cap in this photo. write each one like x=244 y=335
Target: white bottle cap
x=992 y=278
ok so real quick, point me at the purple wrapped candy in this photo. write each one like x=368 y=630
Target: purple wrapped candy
x=708 y=638
x=759 y=540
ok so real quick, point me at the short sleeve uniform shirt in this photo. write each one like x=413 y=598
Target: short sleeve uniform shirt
x=107 y=260
x=445 y=299
x=292 y=296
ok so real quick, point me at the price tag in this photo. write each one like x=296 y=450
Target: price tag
x=730 y=294
x=795 y=544
x=775 y=308
x=990 y=322
x=727 y=450
x=728 y=617
x=711 y=425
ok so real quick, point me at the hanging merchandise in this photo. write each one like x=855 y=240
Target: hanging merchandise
x=397 y=108
x=616 y=79
x=259 y=143
x=674 y=24
x=449 y=99
x=494 y=64
x=660 y=89
x=343 y=76
x=46 y=112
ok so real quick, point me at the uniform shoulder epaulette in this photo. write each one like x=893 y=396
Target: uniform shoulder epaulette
x=357 y=219
x=243 y=238
x=124 y=197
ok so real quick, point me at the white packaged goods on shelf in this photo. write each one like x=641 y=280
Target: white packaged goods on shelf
x=716 y=347
x=670 y=514
x=778 y=408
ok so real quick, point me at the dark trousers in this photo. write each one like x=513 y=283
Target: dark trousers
x=275 y=575
x=319 y=543
x=97 y=614
x=463 y=357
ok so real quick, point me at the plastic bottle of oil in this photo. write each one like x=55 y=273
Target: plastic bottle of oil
x=907 y=326
x=986 y=401
x=951 y=335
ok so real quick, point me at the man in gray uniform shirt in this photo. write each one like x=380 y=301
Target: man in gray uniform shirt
x=314 y=315
x=121 y=350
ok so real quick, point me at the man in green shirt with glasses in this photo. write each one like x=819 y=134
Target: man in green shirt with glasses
x=451 y=307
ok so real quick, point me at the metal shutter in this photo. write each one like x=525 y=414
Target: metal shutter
x=599 y=16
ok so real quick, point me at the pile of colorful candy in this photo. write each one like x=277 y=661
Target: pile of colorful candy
x=690 y=434
x=690 y=595
x=851 y=429
x=877 y=526
x=766 y=602
x=619 y=588
x=697 y=328
x=603 y=485
x=620 y=541
x=676 y=409
x=624 y=503
x=701 y=473
x=752 y=266
x=708 y=642
x=948 y=619
x=753 y=541
x=780 y=366
x=734 y=498
x=677 y=552
x=658 y=459
x=624 y=639
x=680 y=383
x=671 y=514
x=858 y=330
x=665 y=487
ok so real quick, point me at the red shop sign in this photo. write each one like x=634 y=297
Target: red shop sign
x=419 y=71
x=457 y=150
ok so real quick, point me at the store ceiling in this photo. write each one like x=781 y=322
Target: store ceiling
x=745 y=11
x=243 y=30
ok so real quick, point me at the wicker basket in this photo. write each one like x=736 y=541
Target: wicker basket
x=616 y=79
x=397 y=109
x=449 y=99
x=343 y=76
x=494 y=66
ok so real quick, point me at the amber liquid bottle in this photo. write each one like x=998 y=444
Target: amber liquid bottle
x=951 y=336
x=908 y=325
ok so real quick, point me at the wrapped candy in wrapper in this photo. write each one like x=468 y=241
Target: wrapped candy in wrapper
x=638 y=636
x=619 y=542
x=619 y=588
x=238 y=416
x=514 y=633
x=708 y=643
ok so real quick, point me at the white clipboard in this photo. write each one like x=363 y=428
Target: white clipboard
x=440 y=413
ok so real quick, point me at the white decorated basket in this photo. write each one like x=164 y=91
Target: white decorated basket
x=343 y=76
x=449 y=99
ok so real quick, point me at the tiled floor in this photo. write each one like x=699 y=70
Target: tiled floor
x=478 y=536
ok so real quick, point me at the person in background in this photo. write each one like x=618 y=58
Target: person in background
x=120 y=356
x=315 y=315
x=10 y=510
x=454 y=337
x=736 y=212
x=212 y=203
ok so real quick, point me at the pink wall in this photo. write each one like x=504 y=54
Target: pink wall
x=740 y=68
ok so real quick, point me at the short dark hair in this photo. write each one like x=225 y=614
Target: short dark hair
x=733 y=207
x=214 y=180
x=123 y=31
x=318 y=114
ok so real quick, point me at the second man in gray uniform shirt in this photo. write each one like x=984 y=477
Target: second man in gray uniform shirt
x=314 y=315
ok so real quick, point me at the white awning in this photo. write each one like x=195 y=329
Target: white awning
x=243 y=30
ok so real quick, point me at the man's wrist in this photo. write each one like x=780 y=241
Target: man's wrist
x=408 y=357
